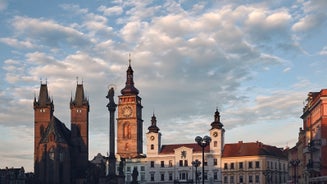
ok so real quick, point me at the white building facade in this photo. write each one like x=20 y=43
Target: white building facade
x=173 y=163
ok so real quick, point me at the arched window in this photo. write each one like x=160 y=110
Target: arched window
x=215 y=143
x=127 y=131
x=152 y=146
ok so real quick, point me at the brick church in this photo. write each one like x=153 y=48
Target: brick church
x=60 y=154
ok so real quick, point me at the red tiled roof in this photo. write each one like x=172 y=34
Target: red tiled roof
x=169 y=149
x=251 y=149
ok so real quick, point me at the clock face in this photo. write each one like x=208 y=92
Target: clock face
x=152 y=138
x=215 y=134
x=127 y=111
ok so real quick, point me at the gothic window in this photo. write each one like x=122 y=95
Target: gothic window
x=61 y=156
x=52 y=137
x=51 y=154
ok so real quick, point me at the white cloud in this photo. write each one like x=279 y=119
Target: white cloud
x=115 y=10
x=18 y=44
x=323 y=51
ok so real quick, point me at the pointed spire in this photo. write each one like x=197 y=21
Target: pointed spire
x=80 y=98
x=44 y=98
x=153 y=127
x=217 y=124
x=129 y=85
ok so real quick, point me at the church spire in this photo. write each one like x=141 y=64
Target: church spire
x=129 y=85
x=80 y=98
x=153 y=127
x=217 y=124
x=43 y=99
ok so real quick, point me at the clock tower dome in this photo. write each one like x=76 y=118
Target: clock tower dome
x=129 y=121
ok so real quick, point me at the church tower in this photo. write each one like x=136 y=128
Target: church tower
x=153 y=138
x=51 y=138
x=79 y=109
x=129 y=121
x=217 y=134
x=43 y=112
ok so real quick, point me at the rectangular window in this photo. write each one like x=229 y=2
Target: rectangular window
x=257 y=164
x=162 y=163
x=205 y=175
x=257 y=178
x=241 y=179
x=225 y=179
x=215 y=175
x=231 y=179
x=170 y=163
x=142 y=168
x=162 y=177
x=170 y=176
x=232 y=166
x=128 y=169
x=250 y=165
x=225 y=166
x=152 y=176
x=181 y=163
x=185 y=163
x=142 y=177
x=250 y=179
x=215 y=161
x=152 y=164
x=240 y=165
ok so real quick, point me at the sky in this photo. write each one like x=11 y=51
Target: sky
x=255 y=61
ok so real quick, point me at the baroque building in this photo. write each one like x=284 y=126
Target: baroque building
x=308 y=161
x=60 y=154
x=172 y=163
x=254 y=162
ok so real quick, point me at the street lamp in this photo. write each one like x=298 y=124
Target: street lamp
x=203 y=142
x=196 y=164
x=294 y=164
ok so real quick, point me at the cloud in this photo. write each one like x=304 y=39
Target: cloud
x=323 y=51
x=18 y=44
x=48 y=32
x=114 y=10
x=314 y=16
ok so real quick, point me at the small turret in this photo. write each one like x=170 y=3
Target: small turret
x=153 y=128
x=217 y=124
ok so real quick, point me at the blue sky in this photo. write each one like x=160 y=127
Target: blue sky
x=256 y=61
